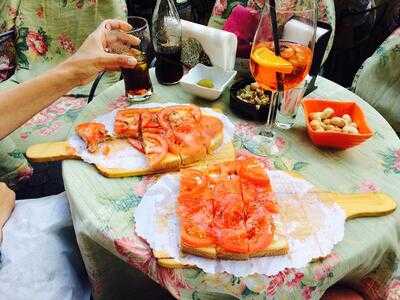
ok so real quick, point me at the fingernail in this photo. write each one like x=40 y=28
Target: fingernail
x=131 y=61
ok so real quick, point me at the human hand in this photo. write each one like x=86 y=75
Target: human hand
x=7 y=204
x=92 y=57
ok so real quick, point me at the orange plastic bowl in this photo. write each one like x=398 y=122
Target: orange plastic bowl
x=337 y=140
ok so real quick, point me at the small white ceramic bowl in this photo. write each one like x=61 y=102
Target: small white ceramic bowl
x=219 y=76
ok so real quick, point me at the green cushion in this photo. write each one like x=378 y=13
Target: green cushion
x=378 y=80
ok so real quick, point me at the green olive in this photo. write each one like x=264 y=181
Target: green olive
x=207 y=83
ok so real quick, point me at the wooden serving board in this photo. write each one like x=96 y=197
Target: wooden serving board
x=354 y=205
x=57 y=151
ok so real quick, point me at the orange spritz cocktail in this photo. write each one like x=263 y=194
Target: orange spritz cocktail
x=292 y=65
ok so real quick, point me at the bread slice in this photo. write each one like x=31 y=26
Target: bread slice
x=230 y=255
x=207 y=252
x=279 y=246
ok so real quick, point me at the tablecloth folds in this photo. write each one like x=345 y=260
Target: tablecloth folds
x=39 y=255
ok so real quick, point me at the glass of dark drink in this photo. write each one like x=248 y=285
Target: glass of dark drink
x=167 y=42
x=137 y=81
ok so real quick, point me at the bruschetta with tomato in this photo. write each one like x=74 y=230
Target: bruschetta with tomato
x=226 y=211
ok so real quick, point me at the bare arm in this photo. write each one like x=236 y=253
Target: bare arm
x=7 y=204
x=19 y=104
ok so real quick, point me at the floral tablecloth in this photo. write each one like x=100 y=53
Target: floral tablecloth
x=366 y=259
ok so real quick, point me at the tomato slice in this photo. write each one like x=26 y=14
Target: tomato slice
x=127 y=123
x=192 y=181
x=211 y=126
x=92 y=134
x=156 y=148
x=250 y=169
x=232 y=240
x=195 y=238
x=136 y=144
x=150 y=120
x=174 y=116
x=260 y=230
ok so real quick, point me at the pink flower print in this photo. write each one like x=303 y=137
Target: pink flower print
x=368 y=186
x=51 y=129
x=23 y=135
x=306 y=293
x=137 y=253
x=172 y=280
x=40 y=12
x=144 y=184
x=40 y=119
x=325 y=267
x=397 y=154
x=120 y=102
x=66 y=43
x=245 y=128
x=296 y=279
x=397 y=164
x=372 y=288
x=393 y=290
x=72 y=102
x=36 y=43
x=276 y=282
x=25 y=173
x=280 y=143
x=219 y=7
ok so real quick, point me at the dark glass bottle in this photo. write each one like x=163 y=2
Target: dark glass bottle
x=167 y=42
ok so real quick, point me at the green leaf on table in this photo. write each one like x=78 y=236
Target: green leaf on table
x=21 y=46
x=300 y=165
x=16 y=154
x=247 y=292
x=23 y=60
x=280 y=165
x=47 y=39
x=23 y=32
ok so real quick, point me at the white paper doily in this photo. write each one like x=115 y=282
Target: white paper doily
x=311 y=226
x=128 y=157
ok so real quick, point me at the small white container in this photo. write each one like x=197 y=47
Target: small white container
x=219 y=76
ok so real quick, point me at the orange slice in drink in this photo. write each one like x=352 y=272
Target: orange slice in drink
x=266 y=58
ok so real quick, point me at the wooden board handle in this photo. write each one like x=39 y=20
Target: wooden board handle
x=363 y=204
x=51 y=152
x=355 y=206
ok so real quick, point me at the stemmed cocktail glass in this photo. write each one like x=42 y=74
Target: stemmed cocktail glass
x=280 y=60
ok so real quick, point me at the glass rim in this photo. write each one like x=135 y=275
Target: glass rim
x=146 y=24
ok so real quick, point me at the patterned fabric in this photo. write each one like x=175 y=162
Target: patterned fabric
x=378 y=80
x=7 y=54
x=13 y=165
x=223 y=8
x=367 y=258
x=47 y=32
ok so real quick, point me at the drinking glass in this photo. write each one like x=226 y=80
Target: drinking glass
x=289 y=106
x=280 y=59
x=138 y=85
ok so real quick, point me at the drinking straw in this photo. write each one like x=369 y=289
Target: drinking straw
x=276 y=40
